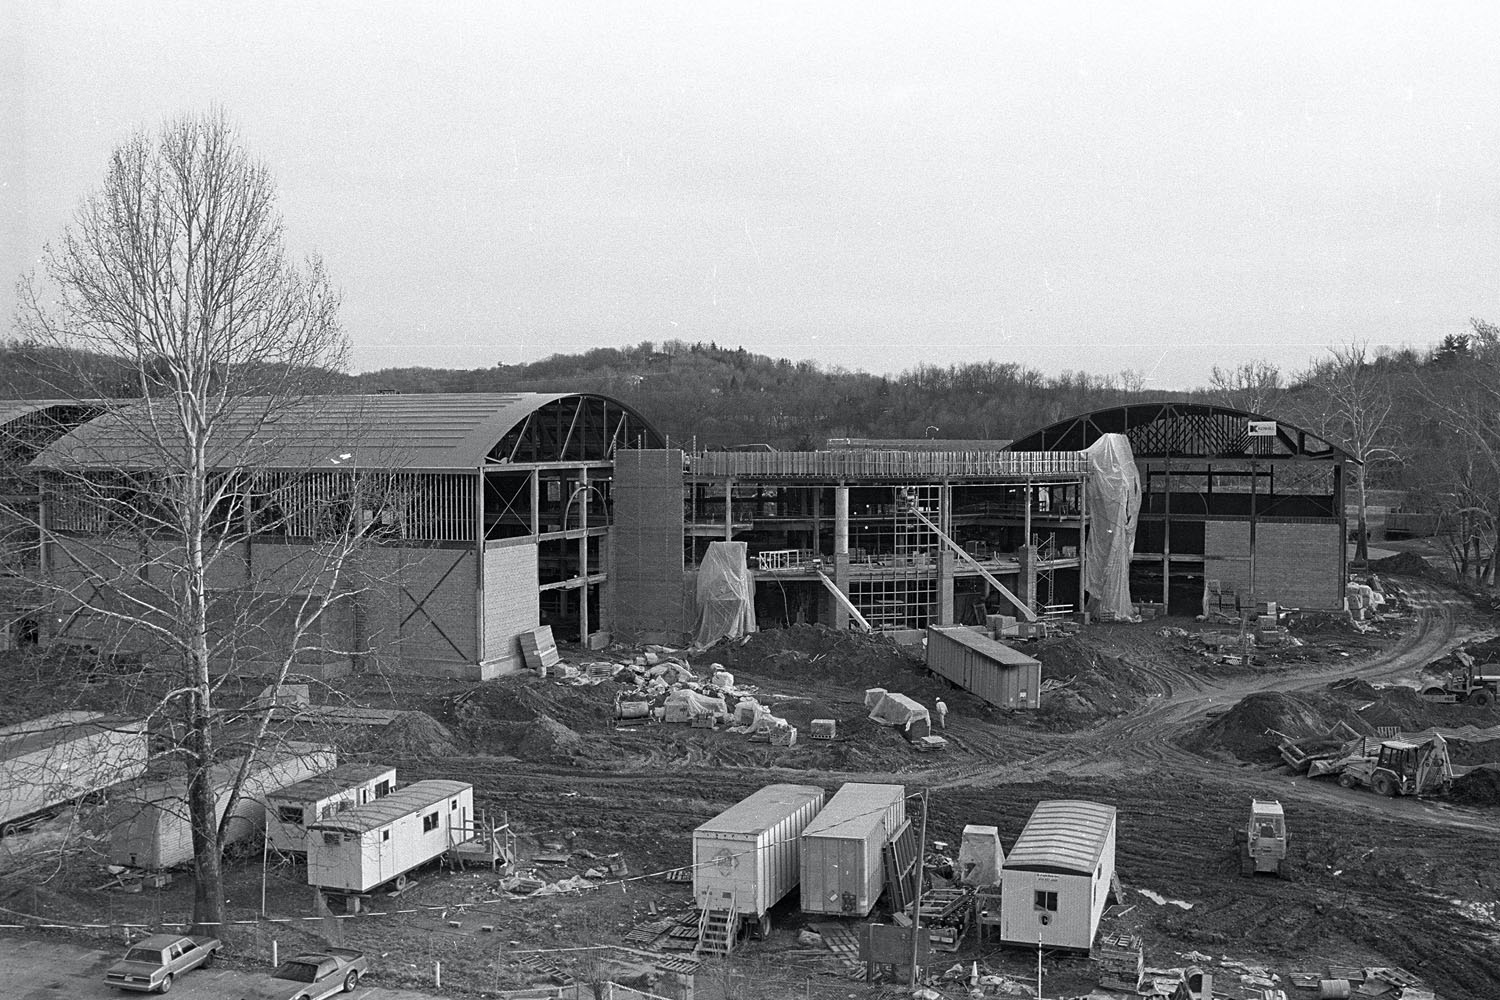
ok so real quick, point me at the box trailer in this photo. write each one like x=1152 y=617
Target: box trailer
x=1002 y=676
x=358 y=850
x=843 y=870
x=152 y=829
x=48 y=762
x=753 y=850
x=291 y=810
x=1057 y=878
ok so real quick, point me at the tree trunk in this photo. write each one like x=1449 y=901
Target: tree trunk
x=1362 y=543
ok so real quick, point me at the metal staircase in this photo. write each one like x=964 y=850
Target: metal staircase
x=718 y=924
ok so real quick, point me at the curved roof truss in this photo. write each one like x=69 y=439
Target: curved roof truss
x=1186 y=430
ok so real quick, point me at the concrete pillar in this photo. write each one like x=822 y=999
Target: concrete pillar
x=1026 y=583
x=944 y=610
x=729 y=510
x=841 y=552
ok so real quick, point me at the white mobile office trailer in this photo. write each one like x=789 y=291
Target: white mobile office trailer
x=356 y=851
x=753 y=850
x=843 y=870
x=291 y=810
x=1057 y=877
x=53 y=760
x=152 y=829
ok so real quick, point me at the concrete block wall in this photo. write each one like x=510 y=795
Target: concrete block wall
x=1298 y=565
x=646 y=575
x=1304 y=563
x=512 y=605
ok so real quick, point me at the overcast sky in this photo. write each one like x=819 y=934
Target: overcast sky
x=1096 y=187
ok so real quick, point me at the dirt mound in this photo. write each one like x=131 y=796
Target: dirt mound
x=1246 y=730
x=1480 y=787
x=1086 y=682
x=1406 y=564
x=412 y=734
x=795 y=652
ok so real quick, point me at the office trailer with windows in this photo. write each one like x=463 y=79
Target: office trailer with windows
x=365 y=847
x=291 y=810
x=1058 y=875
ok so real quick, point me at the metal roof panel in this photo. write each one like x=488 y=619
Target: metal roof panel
x=384 y=812
x=1063 y=834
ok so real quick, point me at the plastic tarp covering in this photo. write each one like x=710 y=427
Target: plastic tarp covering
x=696 y=704
x=726 y=594
x=1114 y=506
x=899 y=710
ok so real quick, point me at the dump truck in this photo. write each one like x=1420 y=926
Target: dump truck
x=1262 y=842
x=1476 y=684
x=1402 y=767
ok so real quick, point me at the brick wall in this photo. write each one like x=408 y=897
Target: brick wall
x=1298 y=565
x=646 y=576
x=512 y=605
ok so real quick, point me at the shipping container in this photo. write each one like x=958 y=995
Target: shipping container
x=152 y=829
x=358 y=850
x=291 y=810
x=843 y=870
x=54 y=760
x=754 y=850
x=1057 y=878
x=1002 y=676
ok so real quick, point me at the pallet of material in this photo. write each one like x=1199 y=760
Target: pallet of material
x=539 y=648
x=927 y=744
x=1121 y=961
x=822 y=729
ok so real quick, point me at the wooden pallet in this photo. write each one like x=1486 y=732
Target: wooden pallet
x=672 y=963
x=679 y=875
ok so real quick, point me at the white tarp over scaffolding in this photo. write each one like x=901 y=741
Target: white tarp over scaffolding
x=1114 y=504
x=726 y=594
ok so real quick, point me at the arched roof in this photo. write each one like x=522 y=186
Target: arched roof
x=1184 y=430
x=434 y=432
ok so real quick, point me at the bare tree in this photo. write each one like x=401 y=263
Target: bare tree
x=1255 y=386
x=171 y=300
x=1351 y=404
x=1460 y=387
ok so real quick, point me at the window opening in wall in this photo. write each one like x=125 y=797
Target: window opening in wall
x=429 y=822
x=1045 y=901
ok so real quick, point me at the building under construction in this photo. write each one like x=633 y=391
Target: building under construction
x=888 y=539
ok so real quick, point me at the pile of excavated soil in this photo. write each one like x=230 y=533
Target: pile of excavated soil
x=1480 y=787
x=1246 y=729
x=411 y=734
x=1094 y=682
x=1407 y=564
x=800 y=651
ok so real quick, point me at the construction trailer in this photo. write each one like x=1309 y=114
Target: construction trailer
x=843 y=870
x=1002 y=676
x=1058 y=875
x=368 y=846
x=291 y=810
x=152 y=828
x=749 y=857
x=54 y=760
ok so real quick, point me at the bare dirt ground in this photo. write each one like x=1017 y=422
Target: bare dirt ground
x=1138 y=716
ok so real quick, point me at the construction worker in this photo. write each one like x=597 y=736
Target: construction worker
x=942 y=714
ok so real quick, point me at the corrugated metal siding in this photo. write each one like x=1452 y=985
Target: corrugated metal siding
x=754 y=848
x=416 y=431
x=1008 y=679
x=1064 y=834
x=842 y=868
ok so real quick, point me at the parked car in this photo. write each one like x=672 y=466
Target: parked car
x=153 y=965
x=312 y=976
